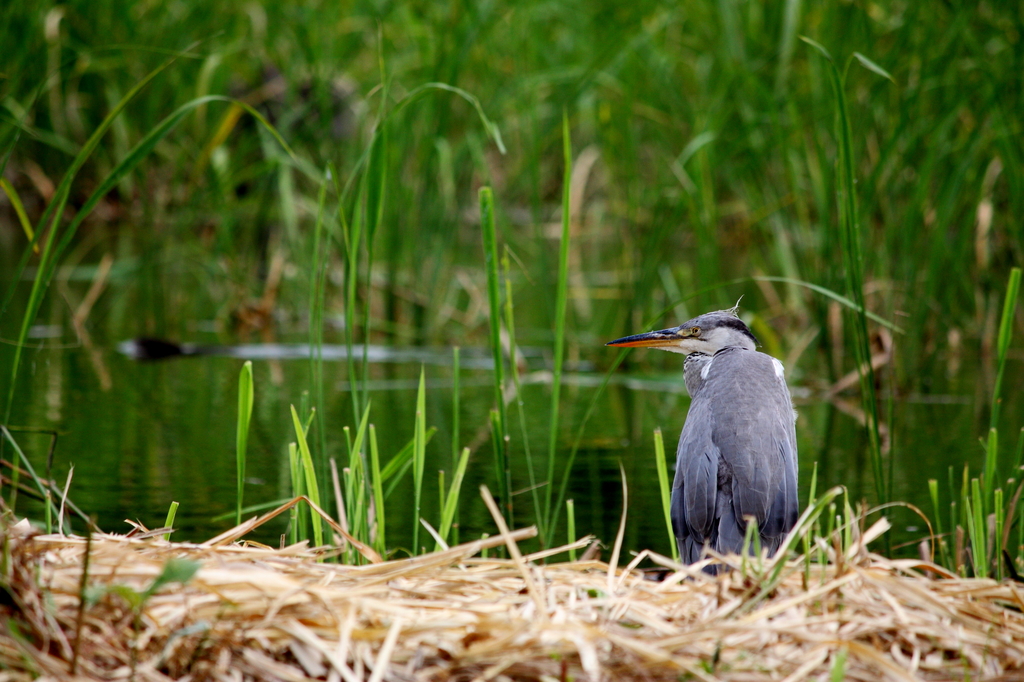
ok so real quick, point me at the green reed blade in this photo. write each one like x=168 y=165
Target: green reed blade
x=813 y=487
x=830 y=528
x=490 y=242
x=1019 y=548
x=317 y=292
x=309 y=471
x=360 y=519
x=377 y=480
x=824 y=291
x=997 y=540
x=346 y=505
x=933 y=493
x=812 y=490
x=456 y=407
x=561 y=298
x=376 y=190
x=991 y=464
x=873 y=67
x=51 y=254
x=451 y=502
x=853 y=262
x=596 y=395
x=358 y=512
x=253 y=508
x=400 y=473
x=40 y=485
x=976 y=530
x=51 y=217
x=169 y=519
x=570 y=515
x=442 y=494
x=803 y=525
x=353 y=236
x=787 y=43
x=1002 y=347
x=413 y=95
x=19 y=209
x=1018 y=454
x=297 y=523
x=954 y=515
x=847 y=515
x=838 y=672
x=356 y=447
x=245 y=401
x=662 y=465
x=419 y=459
x=397 y=464
x=510 y=329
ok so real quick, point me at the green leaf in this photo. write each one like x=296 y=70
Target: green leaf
x=451 y=502
x=872 y=66
x=819 y=47
x=839 y=666
x=169 y=520
x=245 y=400
x=312 y=486
x=377 y=481
x=399 y=461
x=839 y=298
x=419 y=458
x=19 y=209
x=93 y=594
x=133 y=598
x=664 y=486
x=176 y=570
x=695 y=145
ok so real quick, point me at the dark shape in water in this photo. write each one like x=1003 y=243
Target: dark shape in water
x=160 y=349
x=145 y=348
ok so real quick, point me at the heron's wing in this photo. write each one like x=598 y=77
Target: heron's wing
x=695 y=488
x=785 y=508
x=755 y=435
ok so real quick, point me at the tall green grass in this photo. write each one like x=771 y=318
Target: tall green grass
x=499 y=435
x=643 y=98
x=524 y=433
x=561 y=299
x=851 y=240
x=982 y=515
x=317 y=293
x=720 y=150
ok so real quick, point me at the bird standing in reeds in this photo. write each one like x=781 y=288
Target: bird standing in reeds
x=737 y=454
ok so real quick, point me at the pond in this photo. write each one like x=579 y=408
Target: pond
x=143 y=434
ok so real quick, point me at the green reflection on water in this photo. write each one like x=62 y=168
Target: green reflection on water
x=164 y=431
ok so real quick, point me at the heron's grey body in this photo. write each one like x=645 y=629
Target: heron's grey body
x=737 y=454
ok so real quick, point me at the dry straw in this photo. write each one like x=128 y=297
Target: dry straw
x=255 y=613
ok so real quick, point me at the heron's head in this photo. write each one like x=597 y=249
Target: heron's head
x=707 y=333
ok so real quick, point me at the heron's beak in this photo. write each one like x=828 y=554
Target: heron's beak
x=663 y=338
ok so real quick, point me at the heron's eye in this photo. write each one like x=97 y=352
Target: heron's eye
x=694 y=331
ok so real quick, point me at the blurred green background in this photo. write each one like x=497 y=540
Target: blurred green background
x=704 y=156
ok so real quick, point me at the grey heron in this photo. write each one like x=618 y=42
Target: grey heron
x=737 y=453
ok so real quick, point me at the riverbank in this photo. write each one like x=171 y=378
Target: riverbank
x=157 y=610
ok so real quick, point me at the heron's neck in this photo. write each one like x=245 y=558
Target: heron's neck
x=692 y=367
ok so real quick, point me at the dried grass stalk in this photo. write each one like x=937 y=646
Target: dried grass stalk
x=254 y=613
